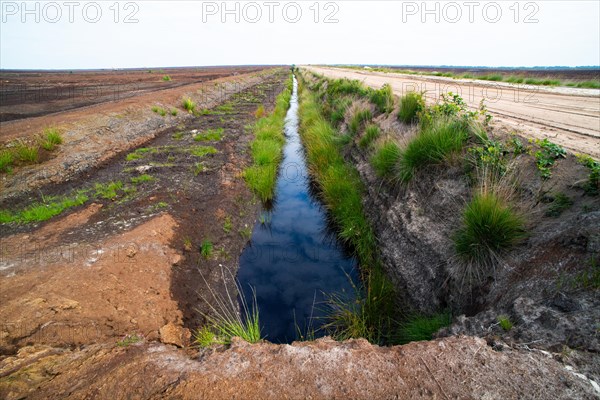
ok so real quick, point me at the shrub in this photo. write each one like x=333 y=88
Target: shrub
x=545 y=157
x=431 y=146
x=410 y=105
x=166 y=78
x=489 y=227
x=592 y=186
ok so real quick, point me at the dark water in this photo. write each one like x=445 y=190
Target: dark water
x=293 y=257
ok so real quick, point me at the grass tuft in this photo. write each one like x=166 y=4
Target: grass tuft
x=201 y=151
x=26 y=153
x=383 y=99
x=372 y=132
x=489 y=227
x=209 y=135
x=359 y=118
x=410 y=105
x=417 y=328
x=386 y=158
x=189 y=105
x=432 y=146
x=142 y=178
x=38 y=212
x=6 y=160
x=51 y=138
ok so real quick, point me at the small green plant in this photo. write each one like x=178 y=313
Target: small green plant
x=209 y=135
x=142 y=178
x=189 y=105
x=174 y=112
x=560 y=203
x=166 y=78
x=109 y=190
x=592 y=186
x=159 y=110
x=129 y=340
x=198 y=168
x=133 y=156
x=201 y=151
x=206 y=249
x=51 y=138
x=490 y=155
x=227 y=225
x=545 y=157
x=383 y=99
x=492 y=77
x=26 y=153
x=516 y=145
x=386 y=158
x=264 y=218
x=359 y=118
x=187 y=243
x=419 y=327
x=6 y=160
x=161 y=204
x=505 y=323
x=246 y=232
x=410 y=105
x=489 y=227
x=178 y=135
x=229 y=317
x=372 y=132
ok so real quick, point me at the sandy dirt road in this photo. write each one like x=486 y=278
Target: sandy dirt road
x=567 y=116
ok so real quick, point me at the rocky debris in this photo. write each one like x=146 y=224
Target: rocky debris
x=142 y=169
x=458 y=367
x=175 y=334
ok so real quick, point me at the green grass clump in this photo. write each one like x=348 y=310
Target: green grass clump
x=589 y=278
x=337 y=110
x=372 y=132
x=133 y=156
x=344 y=86
x=26 y=153
x=432 y=146
x=267 y=148
x=386 y=158
x=178 y=135
x=417 y=328
x=514 y=79
x=206 y=248
x=159 y=110
x=198 y=168
x=142 y=178
x=359 y=118
x=6 y=160
x=410 y=105
x=383 y=99
x=229 y=318
x=492 y=77
x=174 y=112
x=505 y=323
x=589 y=85
x=201 y=151
x=542 y=82
x=166 y=78
x=109 y=190
x=489 y=227
x=209 y=135
x=188 y=104
x=560 y=203
x=51 y=138
x=38 y=212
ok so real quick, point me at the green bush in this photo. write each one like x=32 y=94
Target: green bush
x=489 y=227
x=410 y=105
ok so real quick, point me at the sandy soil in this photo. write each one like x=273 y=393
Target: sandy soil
x=567 y=116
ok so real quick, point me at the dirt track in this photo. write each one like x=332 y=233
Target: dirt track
x=567 y=116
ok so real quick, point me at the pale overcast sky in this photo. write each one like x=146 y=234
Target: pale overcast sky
x=186 y=33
